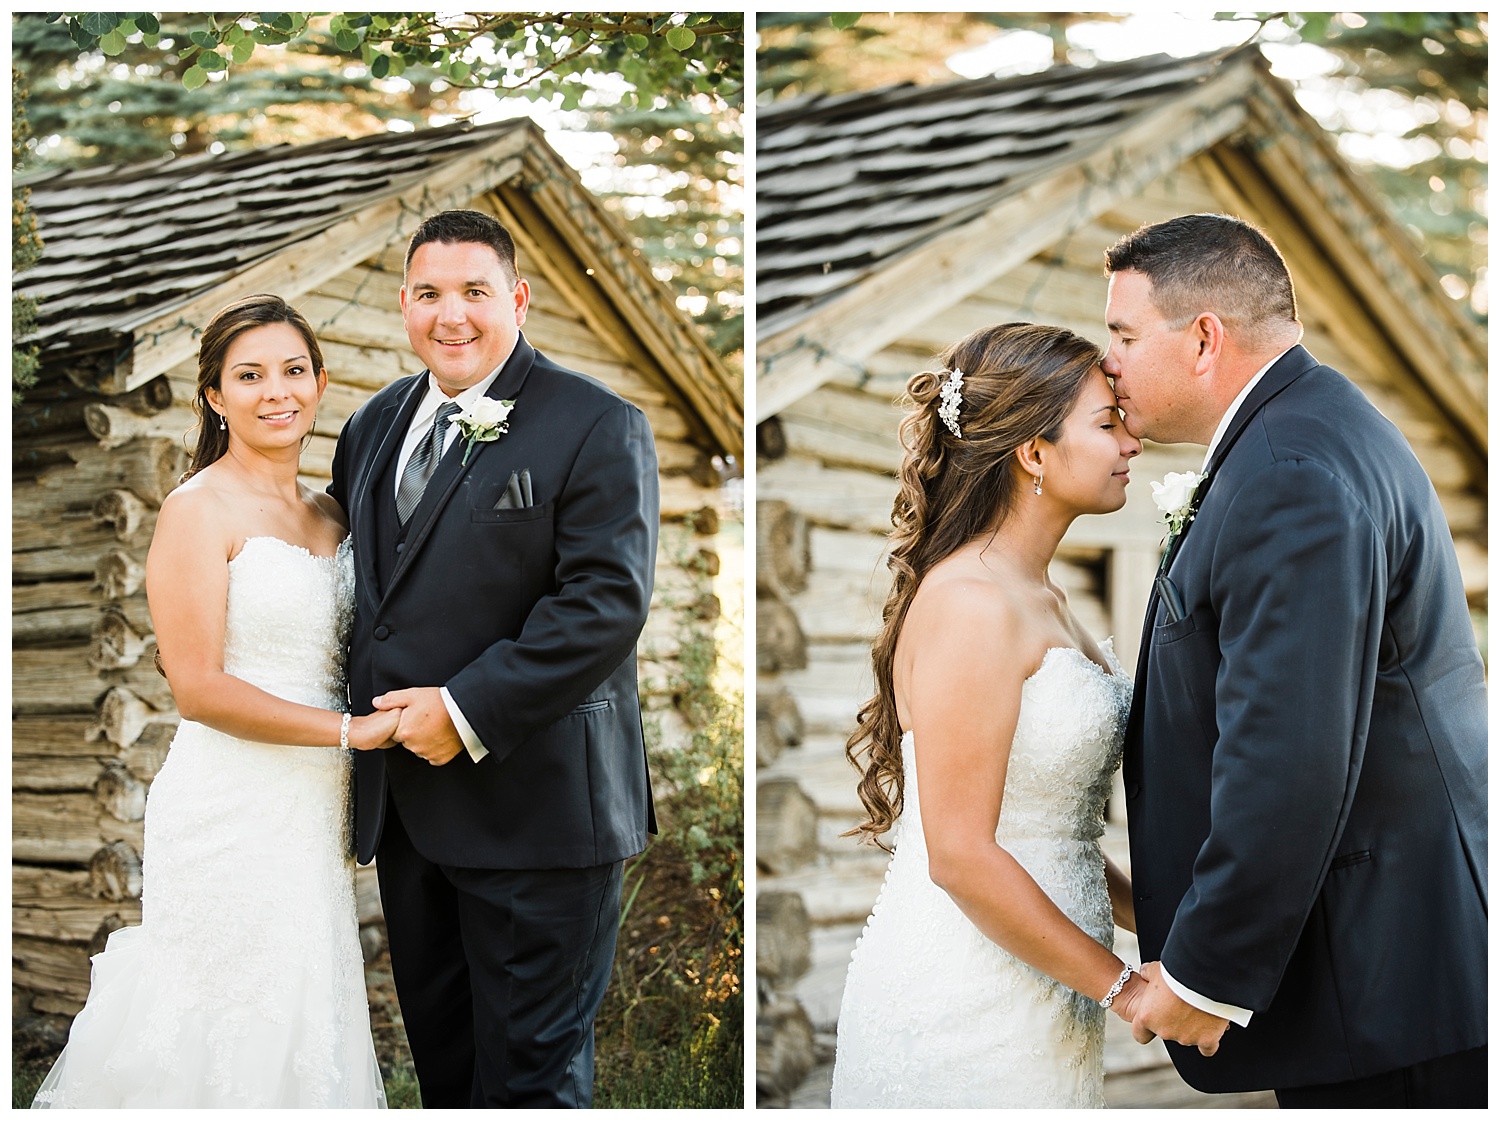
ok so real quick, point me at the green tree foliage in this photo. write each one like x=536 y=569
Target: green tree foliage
x=91 y=108
x=530 y=53
x=1433 y=70
x=25 y=248
x=692 y=229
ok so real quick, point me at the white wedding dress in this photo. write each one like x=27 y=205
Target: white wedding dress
x=244 y=984
x=936 y=1014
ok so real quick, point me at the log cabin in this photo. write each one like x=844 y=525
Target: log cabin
x=892 y=222
x=136 y=260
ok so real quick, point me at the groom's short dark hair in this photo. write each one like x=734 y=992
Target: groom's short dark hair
x=1209 y=262
x=455 y=227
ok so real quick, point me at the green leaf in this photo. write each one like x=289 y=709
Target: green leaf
x=99 y=24
x=267 y=37
x=85 y=40
x=112 y=43
x=681 y=38
x=637 y=42
x=211 y=61
x=147 y=23
x=843 y=21
x=1315 y=25
x=381 y=66
x=194 y=77
x=205 y=39
x=243 y=51
x=398 y=66
x=284 y=22
x=458 y=70
x=347 y=40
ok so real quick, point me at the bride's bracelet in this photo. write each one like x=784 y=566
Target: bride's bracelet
x=344 y=740
x=1114 y=990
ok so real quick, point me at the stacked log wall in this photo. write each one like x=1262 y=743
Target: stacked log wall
x=826 y=476
x=92 y=718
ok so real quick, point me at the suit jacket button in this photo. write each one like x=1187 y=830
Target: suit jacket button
x=400 y=547
x=382 y=632
x=1132 y=789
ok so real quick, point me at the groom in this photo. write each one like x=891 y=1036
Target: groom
x=503 y=573
x=1305 y=762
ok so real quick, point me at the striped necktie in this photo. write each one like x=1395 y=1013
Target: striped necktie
x=423 y=462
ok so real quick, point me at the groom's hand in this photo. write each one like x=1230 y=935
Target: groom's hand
x=1160 y=1011
x=426 y=729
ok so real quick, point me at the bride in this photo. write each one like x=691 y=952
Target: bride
x=983 y=974
x=243 y=985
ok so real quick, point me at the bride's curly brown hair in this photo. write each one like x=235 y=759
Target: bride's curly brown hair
x=1020 y=381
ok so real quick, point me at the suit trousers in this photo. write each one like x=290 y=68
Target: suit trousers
x=500 y=973
x=1458 y=1081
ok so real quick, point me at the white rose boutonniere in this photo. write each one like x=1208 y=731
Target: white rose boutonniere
x=485 y=420
x=1174 y=498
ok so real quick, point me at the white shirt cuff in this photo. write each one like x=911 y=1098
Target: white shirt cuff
x=1231 y=1012
x=477 y=750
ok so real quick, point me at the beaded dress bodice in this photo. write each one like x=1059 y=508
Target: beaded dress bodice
x=288 y=620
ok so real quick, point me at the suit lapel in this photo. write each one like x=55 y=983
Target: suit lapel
x=1288 y=368
x=391 y=427
x=451 y=469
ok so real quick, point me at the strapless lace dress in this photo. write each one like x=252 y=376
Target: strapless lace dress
x=936 y=1014
x=244 y=984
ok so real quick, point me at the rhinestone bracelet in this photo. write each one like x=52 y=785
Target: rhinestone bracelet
x=1114 y=990
x=344 y=742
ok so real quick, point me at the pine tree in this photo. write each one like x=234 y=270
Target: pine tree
x=693 y=232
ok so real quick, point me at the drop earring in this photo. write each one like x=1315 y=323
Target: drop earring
x=224 y=427
x=1039 y=484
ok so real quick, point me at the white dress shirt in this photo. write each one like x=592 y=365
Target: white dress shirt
x=1231 y=1012
x=421 y=423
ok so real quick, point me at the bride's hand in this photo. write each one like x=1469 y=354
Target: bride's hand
x=1127 y=1003
x=375 y=731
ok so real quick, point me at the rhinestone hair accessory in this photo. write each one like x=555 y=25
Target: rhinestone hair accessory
x=953 y=396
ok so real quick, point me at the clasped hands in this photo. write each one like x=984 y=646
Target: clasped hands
x=415 y=719
x=1153 y=1009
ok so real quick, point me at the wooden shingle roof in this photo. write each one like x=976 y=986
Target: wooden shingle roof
x=124 y=243
x=845 y=184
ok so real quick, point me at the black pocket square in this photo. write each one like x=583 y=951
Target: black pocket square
x=517 y=494
x=1171 y=598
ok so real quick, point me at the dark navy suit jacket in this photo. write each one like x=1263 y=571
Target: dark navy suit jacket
x=529 y=616
x=1305 y=763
